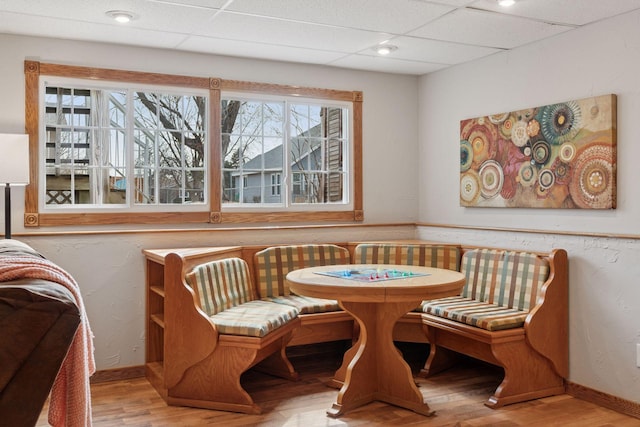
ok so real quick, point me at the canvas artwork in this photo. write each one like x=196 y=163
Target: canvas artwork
x=555 y=156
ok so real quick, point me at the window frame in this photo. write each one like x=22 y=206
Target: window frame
x=34 y=217
x=286 y=204
x=129 y=206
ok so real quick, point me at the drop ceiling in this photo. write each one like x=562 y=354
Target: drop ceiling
x=429 y=35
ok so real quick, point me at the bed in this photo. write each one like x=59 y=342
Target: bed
x=38 y=321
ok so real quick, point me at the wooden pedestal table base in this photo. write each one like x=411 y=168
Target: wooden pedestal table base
x=374 y=368
x=383 y=374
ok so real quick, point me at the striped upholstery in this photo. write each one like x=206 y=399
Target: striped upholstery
x=221 y=284
x=306 y=305
x=273 y=264
x=223 y=289
x=253 y=318
x=423 y=254
x=501 y=287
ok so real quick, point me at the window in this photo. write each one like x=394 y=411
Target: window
x=275 y=184
x=92 y=132
x=303 y=141
x=125 y=147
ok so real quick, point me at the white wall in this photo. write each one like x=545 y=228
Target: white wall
x=604 y=271
x=110 y=267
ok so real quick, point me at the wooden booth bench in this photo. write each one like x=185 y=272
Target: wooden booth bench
x=227 y=309
x=513 y=313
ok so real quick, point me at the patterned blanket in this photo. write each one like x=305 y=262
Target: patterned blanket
x=70 y=403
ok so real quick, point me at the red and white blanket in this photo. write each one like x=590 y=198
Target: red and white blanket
x=70 y=402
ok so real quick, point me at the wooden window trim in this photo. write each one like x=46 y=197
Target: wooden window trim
x=34 y=218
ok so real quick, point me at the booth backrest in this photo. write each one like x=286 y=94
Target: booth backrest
x=506 y=278
x=273 y=264
x=423 y=254
x=221 y=284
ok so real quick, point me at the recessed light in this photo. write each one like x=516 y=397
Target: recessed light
x=122 y=16
x=506 y=3
x=384 y=49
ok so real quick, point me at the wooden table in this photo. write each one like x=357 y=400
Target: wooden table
x=374 y=368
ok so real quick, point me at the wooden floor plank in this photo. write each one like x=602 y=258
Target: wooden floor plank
x=457 y=396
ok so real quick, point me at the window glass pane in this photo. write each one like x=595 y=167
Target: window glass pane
x=117 y=109
x=145 y=186
x=194 y=186
x=172 y=136
x=82 y=149
x=314 y=144
x=86 y=146
x=144 y=148
x=252 y=144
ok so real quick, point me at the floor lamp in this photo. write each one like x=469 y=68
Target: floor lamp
x=14 y=170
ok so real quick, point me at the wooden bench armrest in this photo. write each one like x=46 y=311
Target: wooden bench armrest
x=547 y=325
x=189 y=333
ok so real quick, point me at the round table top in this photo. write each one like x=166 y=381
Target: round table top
x=406 y=282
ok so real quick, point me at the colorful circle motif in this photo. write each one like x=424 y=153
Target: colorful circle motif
x=546 y=178
x=496 y=119
x=560 y=122
x=519 y=134
x=527 y=174
x=540 y=152
x=506 y=127
x=491 y=179
x=469 y=188
x=561 y=170
x=466 y=155
x=533 y=128
x=593 y=181
x=482 y=138
x=567 y=152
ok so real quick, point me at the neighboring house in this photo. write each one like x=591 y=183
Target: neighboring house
x=266 y=170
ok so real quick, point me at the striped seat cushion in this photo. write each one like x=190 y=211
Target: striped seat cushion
x=253 y=318
x=273 y=264
x=487 y=316
x=306 y=305
x=501 y=288
x=221 y=284
x=423 y=254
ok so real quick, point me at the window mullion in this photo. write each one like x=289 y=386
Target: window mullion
x=130 y=143
x=286 y=149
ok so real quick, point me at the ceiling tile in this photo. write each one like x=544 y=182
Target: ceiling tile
x=373 y=15
x=574 y=12
x=258 y=50
x=207 y=4
x=487 y=29
x=149 y=15
x=289 y=33
x=386 y=65
x=74 y=30
x=435 y=51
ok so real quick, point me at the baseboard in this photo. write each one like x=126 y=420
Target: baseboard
x=117 y=374
x=614 y=403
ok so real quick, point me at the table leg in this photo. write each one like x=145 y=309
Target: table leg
x=375 y=369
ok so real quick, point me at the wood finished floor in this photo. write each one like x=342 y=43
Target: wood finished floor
x=456 y=395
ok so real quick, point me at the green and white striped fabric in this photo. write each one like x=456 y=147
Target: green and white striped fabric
x=223 y=288
x=274 y=263
x=307 y=305
x=422 y=254
x=501 y=287
x=254 y=318
x=221 y=284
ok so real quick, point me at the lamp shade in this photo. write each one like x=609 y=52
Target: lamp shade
x=14 y=159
